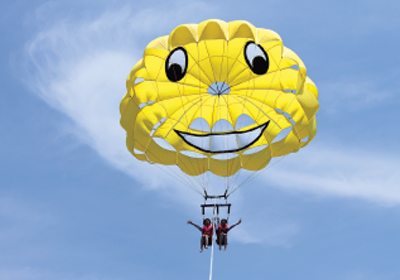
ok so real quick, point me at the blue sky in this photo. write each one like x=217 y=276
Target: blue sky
x=74 y=204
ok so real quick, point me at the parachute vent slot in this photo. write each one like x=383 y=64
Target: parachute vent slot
x=290 y=90
x=142 y=105
x=287 y=116
x=138 y=80
x=304 y=139
x=284 y=132
x=135 y=151
x=157 y=125
x=164 y=144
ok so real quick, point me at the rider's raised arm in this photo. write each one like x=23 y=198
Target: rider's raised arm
x=232 y=226
x=197 y=226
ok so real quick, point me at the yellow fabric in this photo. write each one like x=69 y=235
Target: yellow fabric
x=156 y=107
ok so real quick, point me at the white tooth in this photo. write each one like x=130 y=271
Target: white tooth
x=224 y=142
x=222 y=126
x=245 y=139
x=243 y=121
x=200 y=124
x=201 y=142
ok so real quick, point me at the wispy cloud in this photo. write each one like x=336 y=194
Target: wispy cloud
x=79 y=68
x=353 y=94
x=266 y=233
x=340 y=172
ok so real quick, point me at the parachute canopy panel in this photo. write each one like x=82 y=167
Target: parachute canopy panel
x=220 y=97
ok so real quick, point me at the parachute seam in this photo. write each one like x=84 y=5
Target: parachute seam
x=182 y=145
x=209 y=59
x=249 y=99
x=197 y=62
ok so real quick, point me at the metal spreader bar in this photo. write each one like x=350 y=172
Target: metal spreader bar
x=216 y=206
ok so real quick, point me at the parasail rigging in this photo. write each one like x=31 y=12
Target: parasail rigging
x=212 y=103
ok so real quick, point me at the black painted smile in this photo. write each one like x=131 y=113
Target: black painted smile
x=223 y=142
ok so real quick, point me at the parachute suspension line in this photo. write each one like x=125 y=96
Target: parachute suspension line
x=224 y=162
x=227 y=80
x=181 y=179
x=172 y=173
x=254 y=175
x=258 y=173
x=228 y=71
x=237 y=175
x=229 y=210
x=203 y=210
x=198 y=179
x=203 y=175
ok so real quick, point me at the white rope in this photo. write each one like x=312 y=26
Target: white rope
x=213 y=245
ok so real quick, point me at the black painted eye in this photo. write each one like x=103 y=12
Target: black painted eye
x=176 y=64
x=256 y=58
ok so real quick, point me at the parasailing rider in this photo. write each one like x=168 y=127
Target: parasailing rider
x=222 y=232
x=206 y=233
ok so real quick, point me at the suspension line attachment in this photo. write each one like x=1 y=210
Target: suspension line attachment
x=214 y=205
x=207 y=196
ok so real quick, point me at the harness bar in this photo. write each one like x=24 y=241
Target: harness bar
x=203 y=206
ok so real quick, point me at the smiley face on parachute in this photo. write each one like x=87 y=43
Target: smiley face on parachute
x=218 y=97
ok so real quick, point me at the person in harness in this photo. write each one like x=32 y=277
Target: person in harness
x=222 y=233
x=206 y=233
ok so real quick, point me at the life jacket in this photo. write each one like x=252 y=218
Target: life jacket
x=207 y=230
x=223 y=229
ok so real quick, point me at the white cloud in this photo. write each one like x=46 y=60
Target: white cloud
x=352 y=95
x=267 y=233
x=79 y=68
x=341 y=173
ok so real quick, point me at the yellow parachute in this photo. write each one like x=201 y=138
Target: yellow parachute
x=218 y=97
